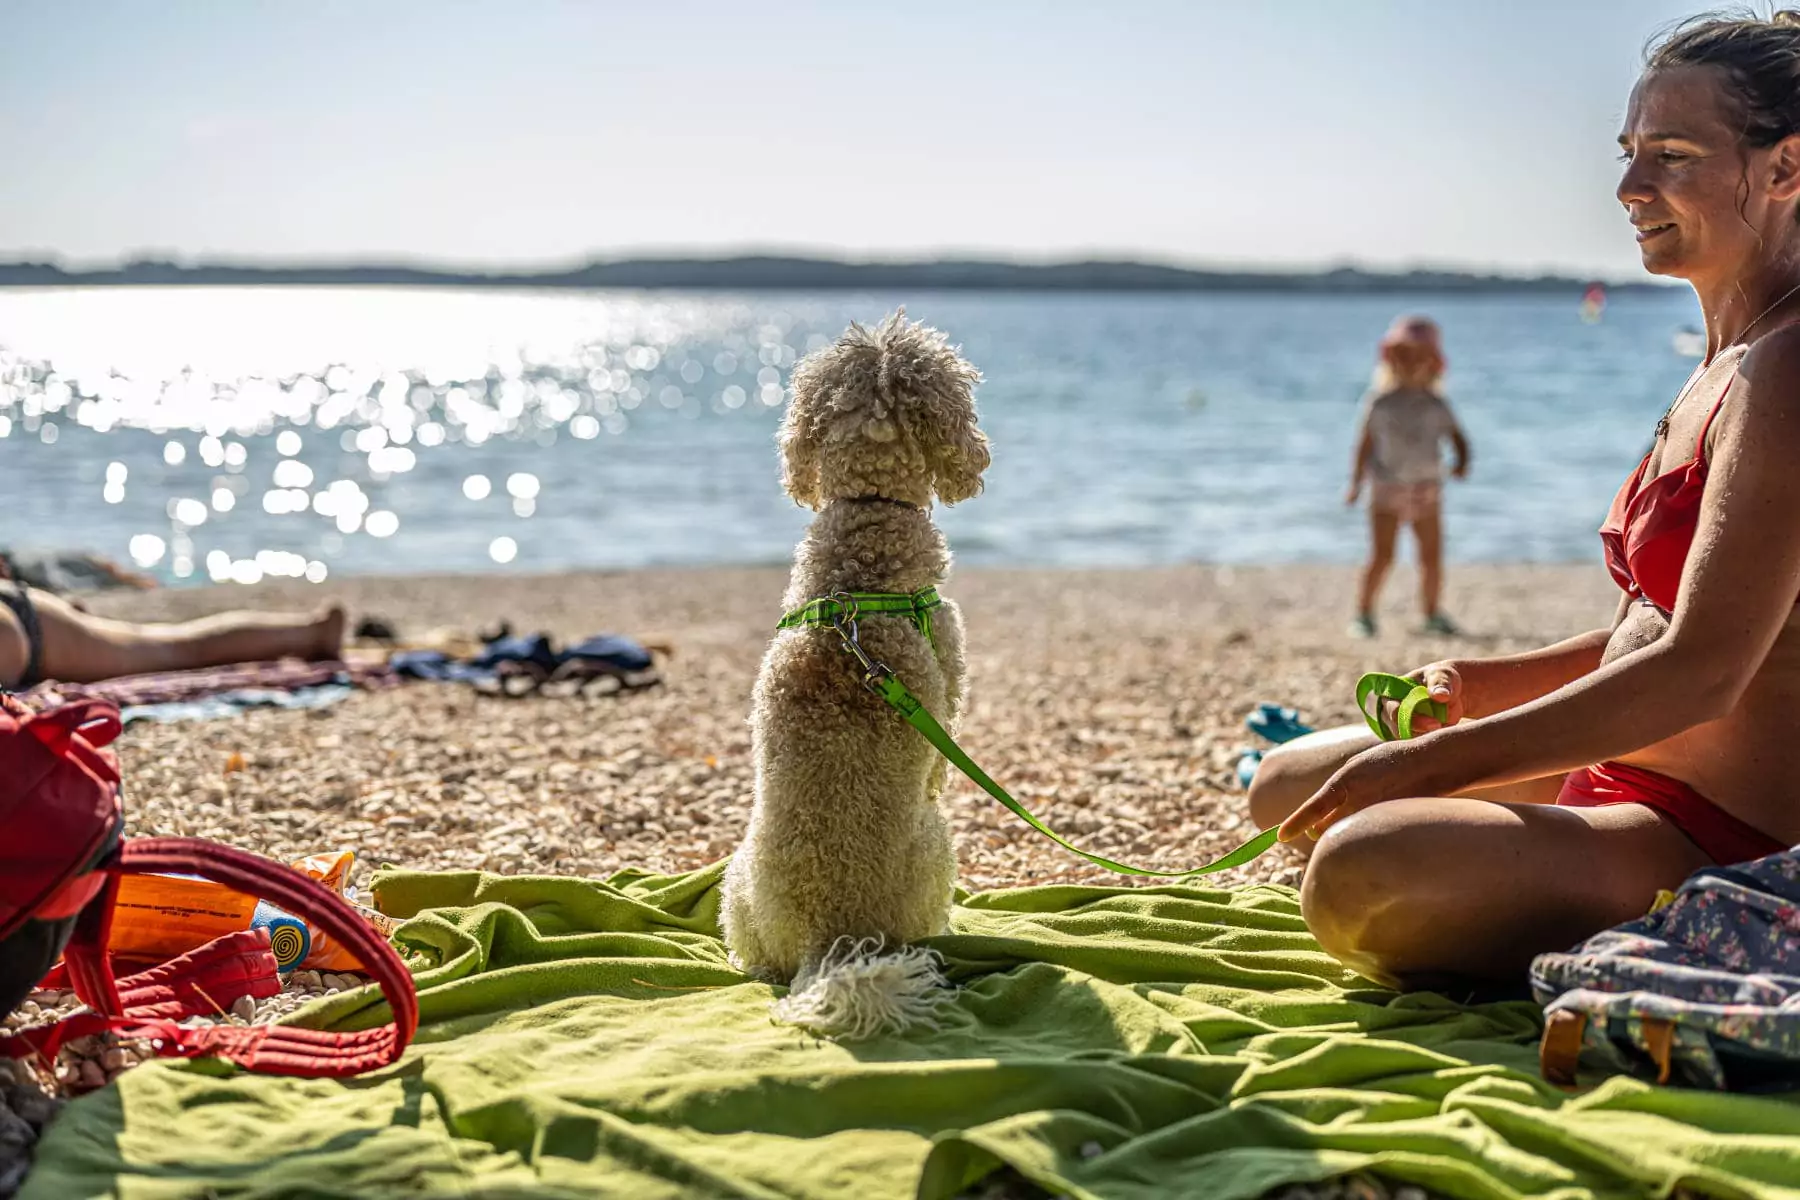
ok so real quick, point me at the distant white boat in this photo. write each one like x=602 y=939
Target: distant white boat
x=1689 y=342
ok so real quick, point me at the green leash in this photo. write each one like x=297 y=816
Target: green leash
x=884 y=684
x=1411 y=695
x=839 y=612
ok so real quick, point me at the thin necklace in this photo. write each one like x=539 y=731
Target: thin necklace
x=1662 y=426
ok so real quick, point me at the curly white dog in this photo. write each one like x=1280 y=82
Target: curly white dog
x=847 y=858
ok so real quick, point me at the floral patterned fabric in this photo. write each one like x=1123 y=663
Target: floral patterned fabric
x=1718 y=967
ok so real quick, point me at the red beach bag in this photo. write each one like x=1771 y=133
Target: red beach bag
x=61 y=856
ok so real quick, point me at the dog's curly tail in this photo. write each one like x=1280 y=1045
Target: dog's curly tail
x=857 y=991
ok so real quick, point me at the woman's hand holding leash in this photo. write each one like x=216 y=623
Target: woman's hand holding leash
x=1403 y=708
x=1444 y=684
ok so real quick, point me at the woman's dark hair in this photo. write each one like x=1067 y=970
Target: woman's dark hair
x=1761 y=58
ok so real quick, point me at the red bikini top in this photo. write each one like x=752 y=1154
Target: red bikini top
x=1651 y=525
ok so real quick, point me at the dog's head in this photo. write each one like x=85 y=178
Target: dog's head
x=888 y=412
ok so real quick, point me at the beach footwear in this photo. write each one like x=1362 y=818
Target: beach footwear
x=374 y=629
x=1441 y=625
x=608 y=653
x=602 y=665
x=1246 y=767
x=1276 y=723
x=1362 y=626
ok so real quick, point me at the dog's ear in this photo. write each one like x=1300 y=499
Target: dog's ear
x=956 y=450
x=799 y=441
x=958 y=460
x=825 y=387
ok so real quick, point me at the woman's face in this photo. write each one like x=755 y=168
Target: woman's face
x=1702 y=202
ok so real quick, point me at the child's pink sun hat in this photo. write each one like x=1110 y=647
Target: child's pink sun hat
x=1413 y=330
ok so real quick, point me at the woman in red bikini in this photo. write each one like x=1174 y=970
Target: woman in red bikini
x=1570 y=784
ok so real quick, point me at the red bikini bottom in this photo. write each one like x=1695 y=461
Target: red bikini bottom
x=1720 y=836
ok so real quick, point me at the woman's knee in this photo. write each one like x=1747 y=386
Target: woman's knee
x=1282 y=782
x=1415 y=891
x=1342 y=880
x=1266 y=791
x=1364 y=889
x=1293 y=771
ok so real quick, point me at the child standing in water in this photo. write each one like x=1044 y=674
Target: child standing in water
x=1399 y=450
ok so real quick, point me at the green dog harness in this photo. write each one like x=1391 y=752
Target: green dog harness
x=827 y=611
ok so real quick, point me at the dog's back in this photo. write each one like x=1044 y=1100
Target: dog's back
x=846 y=839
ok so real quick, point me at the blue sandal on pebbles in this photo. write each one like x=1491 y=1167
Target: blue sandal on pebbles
x=1275 y=723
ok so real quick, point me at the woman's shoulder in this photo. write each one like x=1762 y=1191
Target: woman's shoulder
x=1770 y=372
x=1774 y=357
x=1763 y=394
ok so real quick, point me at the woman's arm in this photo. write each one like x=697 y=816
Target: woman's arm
x=1472 y=688
x=1493 y=685
x=1737 y=593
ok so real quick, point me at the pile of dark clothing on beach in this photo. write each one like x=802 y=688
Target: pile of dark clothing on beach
x=61 y=571
x=518 y=664
x=506 y=665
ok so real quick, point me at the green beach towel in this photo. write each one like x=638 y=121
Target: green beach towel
x=587 y=1039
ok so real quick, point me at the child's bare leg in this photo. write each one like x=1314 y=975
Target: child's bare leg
x=1429 y=530
x=82 y=648
x=1383 y=529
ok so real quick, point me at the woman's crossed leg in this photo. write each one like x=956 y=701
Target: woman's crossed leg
x=1413 y=892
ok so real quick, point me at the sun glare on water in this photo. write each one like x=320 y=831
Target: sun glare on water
x=316 y=406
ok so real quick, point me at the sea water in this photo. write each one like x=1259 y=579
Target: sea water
x=214 y=433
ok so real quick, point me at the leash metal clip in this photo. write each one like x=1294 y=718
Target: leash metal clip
x=844 y=622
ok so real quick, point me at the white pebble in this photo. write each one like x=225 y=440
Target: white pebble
x=244 y=1008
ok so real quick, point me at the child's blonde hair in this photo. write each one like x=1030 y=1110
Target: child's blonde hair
x=1411 y=355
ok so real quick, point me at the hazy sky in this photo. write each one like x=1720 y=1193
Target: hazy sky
x=1270 y=131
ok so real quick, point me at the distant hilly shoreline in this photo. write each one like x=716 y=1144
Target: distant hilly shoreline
x=775 y=273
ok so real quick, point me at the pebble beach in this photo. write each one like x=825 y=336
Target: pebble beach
x=1110 y=702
